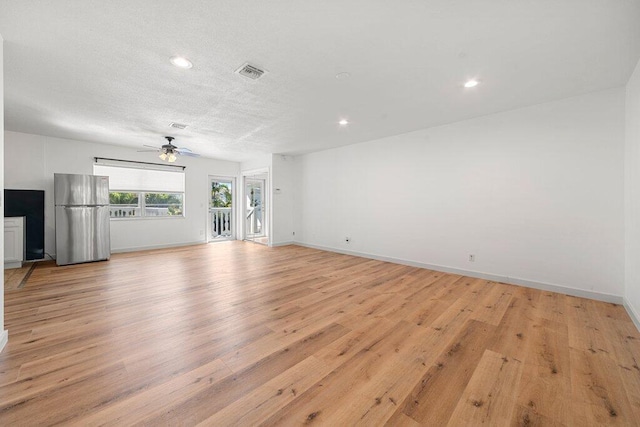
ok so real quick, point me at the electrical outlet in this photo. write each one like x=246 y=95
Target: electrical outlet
x=347 y=239
x=294 y=233
x=472 y=258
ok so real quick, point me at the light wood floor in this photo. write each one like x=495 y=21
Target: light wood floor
x=14 y=277
x=241 y=334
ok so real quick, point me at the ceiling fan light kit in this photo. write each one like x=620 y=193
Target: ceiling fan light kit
x=169 y=152
x=171 y=157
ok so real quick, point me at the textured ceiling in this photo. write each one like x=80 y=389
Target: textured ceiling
x=99 y=70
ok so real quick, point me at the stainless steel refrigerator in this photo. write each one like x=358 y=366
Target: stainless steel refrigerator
x=82 y=218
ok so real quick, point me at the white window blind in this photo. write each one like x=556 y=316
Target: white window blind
x=147 y=180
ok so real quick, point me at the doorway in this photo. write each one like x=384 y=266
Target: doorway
x=221 y=217
x=255 y=208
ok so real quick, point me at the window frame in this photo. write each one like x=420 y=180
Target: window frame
x=142 y=205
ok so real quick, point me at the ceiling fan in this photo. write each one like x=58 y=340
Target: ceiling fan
x=170 y=152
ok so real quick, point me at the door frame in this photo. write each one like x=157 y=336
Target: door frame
x=266 y=210
x=234 y=202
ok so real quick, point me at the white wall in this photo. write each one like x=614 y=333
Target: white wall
x=283 y=199
x=33 y=159
x=536 y=194
x=632 y=195
x=258 y=163
x=3 y=333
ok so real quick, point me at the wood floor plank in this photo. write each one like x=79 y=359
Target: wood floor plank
x=491 y=309
x=625 y=343
x=436 y=394
x=486 y=399
x=599 y=397
x=399 y=419
x=91 y=389
x=365 y=335
x=585 y=330
x=546 y=376
x=347 y=378
x=441 y=299
x=376 y=400
x=232 y=388
x=515 y=330
x=157 y=400
x=272 y=396
x=240 y=334
x=542 y=397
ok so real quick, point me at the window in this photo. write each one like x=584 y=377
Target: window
x=124 y=204
x=162 y=204
x=136 y=192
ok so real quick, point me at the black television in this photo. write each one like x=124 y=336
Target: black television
x=29 y=204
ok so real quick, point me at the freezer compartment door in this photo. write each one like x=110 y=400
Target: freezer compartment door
x=78 y=190
x=82 y=234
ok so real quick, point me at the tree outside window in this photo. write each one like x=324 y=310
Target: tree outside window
x=221 y=194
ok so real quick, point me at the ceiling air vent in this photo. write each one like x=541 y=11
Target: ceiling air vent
x=250 y=71
x=177 y=125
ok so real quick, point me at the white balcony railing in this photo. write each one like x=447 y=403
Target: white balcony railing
x=124 y=211
x=221 y=222
x=135 y=211
x=254 y=222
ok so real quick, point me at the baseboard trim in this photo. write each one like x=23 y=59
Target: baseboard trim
x=152 y=247
x=12 y=264
x=633 y=314
x=4 y=339
x=480 y=275
x=275 y=245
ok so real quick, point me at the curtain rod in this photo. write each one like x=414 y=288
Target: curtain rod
x=95 y=159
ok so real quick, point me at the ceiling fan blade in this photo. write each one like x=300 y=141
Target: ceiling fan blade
x=148 y=151
x=149 y=146
x=187 y=153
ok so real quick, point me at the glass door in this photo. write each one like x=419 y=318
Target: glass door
x=255 y=209
x=221 y=218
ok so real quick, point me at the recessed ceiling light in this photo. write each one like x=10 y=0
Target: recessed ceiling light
x=471 y=83
x=343 y=76
x=343 y=122
x=180 y=61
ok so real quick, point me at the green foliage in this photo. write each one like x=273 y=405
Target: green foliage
x=221 y=195
x=116 y=198
x=172 y=201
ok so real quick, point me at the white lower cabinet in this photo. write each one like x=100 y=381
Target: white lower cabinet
x=13 y=242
